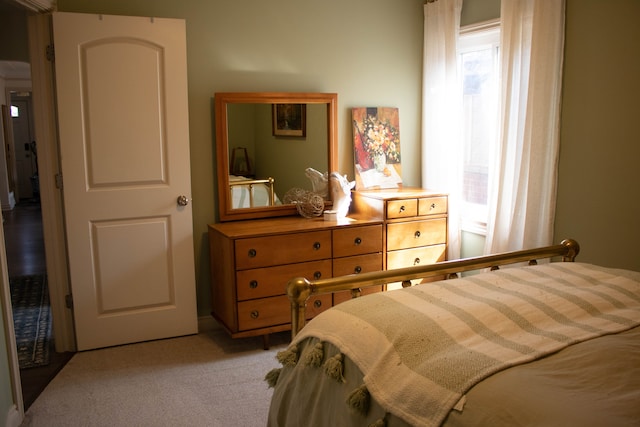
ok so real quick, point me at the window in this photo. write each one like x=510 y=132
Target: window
x=478 y=66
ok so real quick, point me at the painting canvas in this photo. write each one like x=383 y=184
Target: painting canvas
x=376 y=142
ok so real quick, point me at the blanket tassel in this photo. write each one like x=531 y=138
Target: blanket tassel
x=333 y=368
x=272 y=377
x=359 y=400
x=288 y=357
x=315 y=356
x=382 y=422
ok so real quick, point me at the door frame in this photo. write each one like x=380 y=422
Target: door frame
x=39 y=28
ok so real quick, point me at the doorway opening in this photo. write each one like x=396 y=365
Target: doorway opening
x=24 y=243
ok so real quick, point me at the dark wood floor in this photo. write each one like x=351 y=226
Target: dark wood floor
x=25 y=255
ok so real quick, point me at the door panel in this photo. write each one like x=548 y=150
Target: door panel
x=124 y=145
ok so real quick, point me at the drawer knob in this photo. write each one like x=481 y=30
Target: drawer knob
x=357 y=241
x=252 y=253
x=402 y=208
x=317 y=275
x=433 y=206
x=317 y=303
x=255 y=314
x=358 y=269
x=253 y=284
x=417 y=234
x=416 y=261
x=316 y=245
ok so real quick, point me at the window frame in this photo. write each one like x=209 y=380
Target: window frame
x=473 y=216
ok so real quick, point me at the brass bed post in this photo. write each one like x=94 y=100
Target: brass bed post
x=298 y=291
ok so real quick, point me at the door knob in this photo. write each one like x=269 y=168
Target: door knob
x=183 y=201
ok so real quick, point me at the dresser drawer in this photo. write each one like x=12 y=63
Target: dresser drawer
x=357 y=264
x=343 y=296
x=265 y=312
x=403 y=208
x=413 y=234
x=271 y=281
x=432 y=206
x=417 y=256
x=357 y=240
x=282 y=249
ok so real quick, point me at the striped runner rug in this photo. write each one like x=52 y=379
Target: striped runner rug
x=31 y=319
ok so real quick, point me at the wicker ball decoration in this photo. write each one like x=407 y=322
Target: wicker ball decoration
x=308 y=204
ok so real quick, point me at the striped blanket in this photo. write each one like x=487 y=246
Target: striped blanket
x=422 y=348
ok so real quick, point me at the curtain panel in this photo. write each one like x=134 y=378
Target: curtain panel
x=442 y=110
x=523 y=175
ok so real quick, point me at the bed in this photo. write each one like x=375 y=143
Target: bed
x=251 y=193
x=549 y=343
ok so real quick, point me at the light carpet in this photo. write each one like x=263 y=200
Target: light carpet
x=207 y=379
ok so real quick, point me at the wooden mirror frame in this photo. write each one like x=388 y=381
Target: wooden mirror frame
x=222 y=99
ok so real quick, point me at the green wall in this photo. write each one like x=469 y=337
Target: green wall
x=367 y=51
x=598 y=194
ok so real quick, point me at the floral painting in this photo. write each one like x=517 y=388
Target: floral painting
x=376 y=142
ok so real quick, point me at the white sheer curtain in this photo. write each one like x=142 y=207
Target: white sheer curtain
x=522 y=182
x=441 y=112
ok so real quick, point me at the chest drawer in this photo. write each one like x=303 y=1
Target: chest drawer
x=412 y=234
x=403 y=208
x=264 y=312
x=432 y=206
x=282 y=249
x=357 y=264
x=270 y=281
x=357 y=240
x=417 y=256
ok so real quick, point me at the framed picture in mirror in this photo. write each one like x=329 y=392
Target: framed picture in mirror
x=289 y=120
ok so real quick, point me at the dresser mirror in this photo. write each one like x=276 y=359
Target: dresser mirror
x=265 y=141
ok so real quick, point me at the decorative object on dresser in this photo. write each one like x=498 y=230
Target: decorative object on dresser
x=415 y=222
x=251 y=262
x=341 y=193
x=376 y=143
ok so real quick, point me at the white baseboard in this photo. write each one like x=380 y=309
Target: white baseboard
x=14 y=419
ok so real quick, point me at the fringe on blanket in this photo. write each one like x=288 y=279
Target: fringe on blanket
x=358 y=400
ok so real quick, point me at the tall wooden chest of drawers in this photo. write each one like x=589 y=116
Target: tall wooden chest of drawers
x=415 y=222
x=252 y=261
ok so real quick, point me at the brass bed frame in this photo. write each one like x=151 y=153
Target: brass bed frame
x=299 y=289
x=251 y=183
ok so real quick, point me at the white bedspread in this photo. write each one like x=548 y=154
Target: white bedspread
x=422 y=348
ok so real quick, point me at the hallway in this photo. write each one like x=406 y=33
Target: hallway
x=25 y=255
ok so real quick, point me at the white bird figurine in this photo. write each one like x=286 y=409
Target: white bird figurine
x=319 y=182
x=341 y=193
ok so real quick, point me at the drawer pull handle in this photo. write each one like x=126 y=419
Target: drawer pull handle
x=317 y=275
x=316 y=245
x=357 y=241
x=433 y=206
x=416 y=261
x=402 y=208
x=317 y=303
x=255 y=314
x=358 y=269
x=417 y=234
x=253 y=284
x=252 y=253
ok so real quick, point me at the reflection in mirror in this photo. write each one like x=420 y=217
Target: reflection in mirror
x=258 y=163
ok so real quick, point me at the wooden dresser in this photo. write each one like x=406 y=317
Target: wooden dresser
x=415 y=222
x=252 y=261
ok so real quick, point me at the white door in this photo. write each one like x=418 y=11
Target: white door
x=121 y=88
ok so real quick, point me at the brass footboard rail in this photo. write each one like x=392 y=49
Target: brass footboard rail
x=299 y=289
